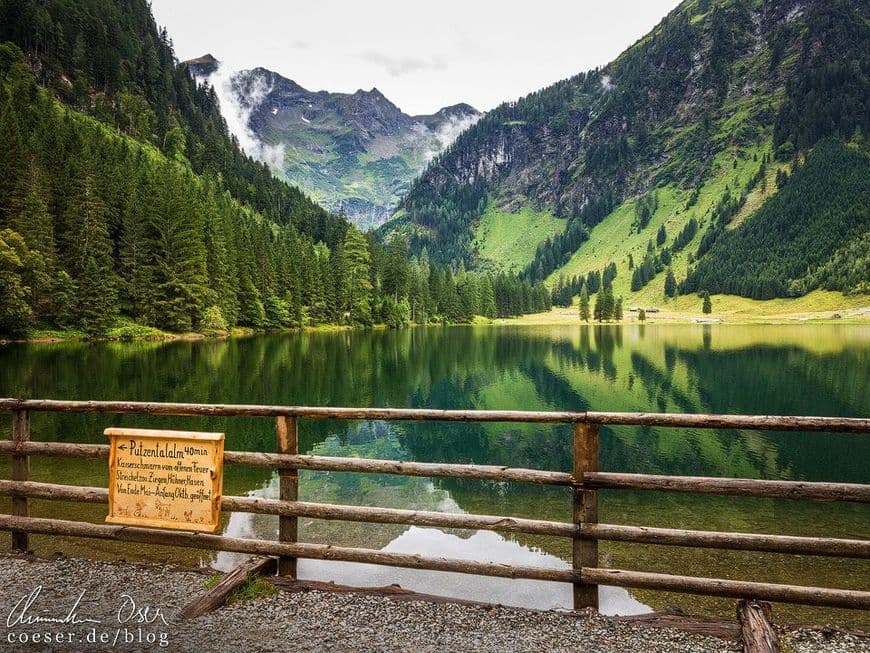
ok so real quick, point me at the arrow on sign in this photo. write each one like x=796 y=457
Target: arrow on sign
x=122 y=446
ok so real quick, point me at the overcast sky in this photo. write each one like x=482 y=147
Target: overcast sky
x=422 y=56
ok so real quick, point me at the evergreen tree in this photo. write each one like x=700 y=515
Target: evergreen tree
x=707 y=306
x=29 y=216
x=662 y=234
x=670 y=284
x=356 y=285
x=179 y=262
x=607 y=304
x=584 y=303
x=15 y=312
x=87 y=238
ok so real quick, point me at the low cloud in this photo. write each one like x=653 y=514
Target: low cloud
x=398 y=66
x=240 y=94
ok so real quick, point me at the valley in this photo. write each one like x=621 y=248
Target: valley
x=355 y=153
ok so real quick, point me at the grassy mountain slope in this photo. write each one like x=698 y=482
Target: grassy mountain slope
x=496 y=237
x=823 y=208
x=699 y=119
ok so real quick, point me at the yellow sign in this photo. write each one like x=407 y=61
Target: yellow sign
x=165 y=479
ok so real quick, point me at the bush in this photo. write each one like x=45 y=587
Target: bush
x=213 y=322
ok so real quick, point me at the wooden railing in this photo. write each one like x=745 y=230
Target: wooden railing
x=585 y=480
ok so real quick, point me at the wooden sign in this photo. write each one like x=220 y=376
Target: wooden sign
x=165 y=479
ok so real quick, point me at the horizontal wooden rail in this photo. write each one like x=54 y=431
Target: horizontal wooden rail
x=307 y=412
x=55 y=492
x=677 y=420
x=320 y=463
x=737 y=589
x=64 y=528
x=820 y=546
x=818 y=491
x=63 y=449
x=375 y=466
x=790 y=544
x=838 y=598
x=859 y=425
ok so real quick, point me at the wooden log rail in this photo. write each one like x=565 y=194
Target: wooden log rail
x=821 y=546
x=585 y=480
x=839 y=598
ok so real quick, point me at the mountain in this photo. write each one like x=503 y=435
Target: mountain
x=356 y=153
x=634 y=170
x=127 y=206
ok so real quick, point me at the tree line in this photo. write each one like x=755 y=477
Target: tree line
x=95 y=225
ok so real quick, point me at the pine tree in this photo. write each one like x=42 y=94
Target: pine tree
x=707 y=306
x=487 y=297
x=29 y=216
x=617 y=309
x=670 y=284
x=607 y=304
x=584 y=303
x=356 y=284
x=15 y=312
x=179 y=262
x=87 y=238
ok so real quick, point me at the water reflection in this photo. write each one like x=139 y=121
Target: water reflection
x=800 y=369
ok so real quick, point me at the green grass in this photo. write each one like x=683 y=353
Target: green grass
x=126 y=329
x=613 y=239
x=507 y=241
x=254 y=587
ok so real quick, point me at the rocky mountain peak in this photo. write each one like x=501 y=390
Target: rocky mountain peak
x=202 y=66
x=355 y=152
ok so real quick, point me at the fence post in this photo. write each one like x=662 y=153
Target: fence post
x=288 y=527
x=585 y=550
x=20 y=472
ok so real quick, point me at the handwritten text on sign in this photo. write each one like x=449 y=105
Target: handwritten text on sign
x=165 y=479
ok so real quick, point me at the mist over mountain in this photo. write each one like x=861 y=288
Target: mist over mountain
x=356 y=153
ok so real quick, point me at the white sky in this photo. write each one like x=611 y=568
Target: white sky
x=422 y=56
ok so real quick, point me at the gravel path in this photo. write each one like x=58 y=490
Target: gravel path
x=304 y=621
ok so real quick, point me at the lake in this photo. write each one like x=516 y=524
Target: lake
x=789 y=369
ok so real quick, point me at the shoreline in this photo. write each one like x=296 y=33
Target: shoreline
x=557 y=316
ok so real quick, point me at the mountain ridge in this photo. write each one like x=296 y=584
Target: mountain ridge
x=354 y=152
x=715 y=89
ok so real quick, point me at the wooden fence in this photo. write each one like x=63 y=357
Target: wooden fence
x=585 y=480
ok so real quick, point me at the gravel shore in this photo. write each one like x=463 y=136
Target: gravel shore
x=133 y=607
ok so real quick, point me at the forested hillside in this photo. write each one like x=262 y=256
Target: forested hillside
x=821 y=215
x=123 y=198
x=642 y=164
x=109 y=59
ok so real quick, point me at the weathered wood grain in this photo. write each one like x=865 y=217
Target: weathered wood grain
x=288 y=480
x=20 y=472
x=756 y=629
x=806 y=490
x=585 y=511
x=217 y=595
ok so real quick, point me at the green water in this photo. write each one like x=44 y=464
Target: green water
x=800 y=369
